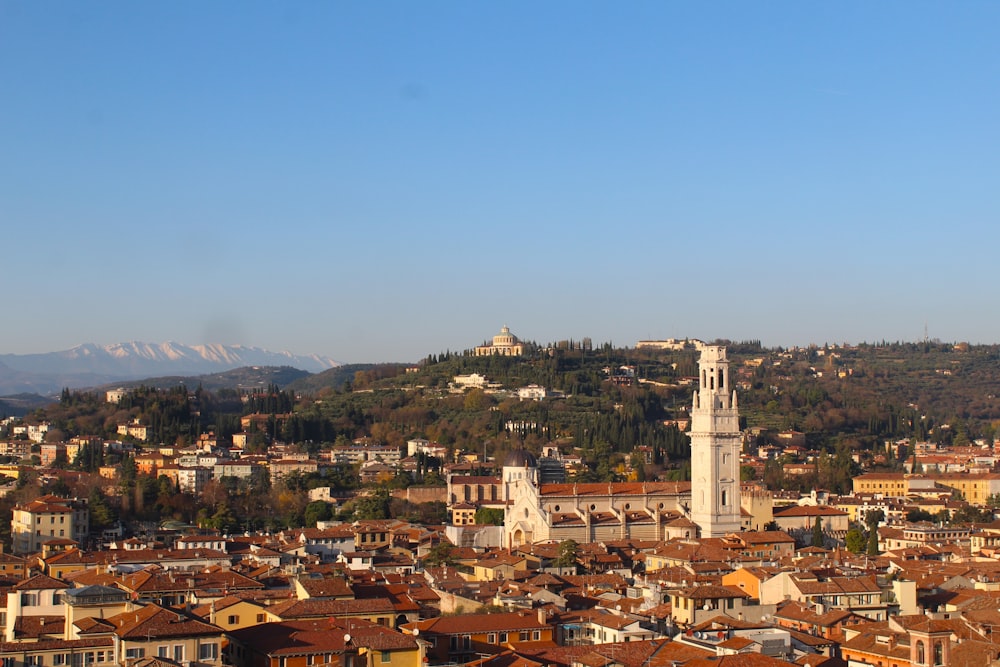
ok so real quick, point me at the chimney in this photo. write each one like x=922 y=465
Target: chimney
x=542 y=620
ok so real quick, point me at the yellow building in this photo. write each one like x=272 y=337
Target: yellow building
x=884 y=483
x=153 y=631
x=328 y=642
x=460 y=639
x=232 y=613
x=697 y=603
x=498 y=565
x=463 y=514
x=46 y=518
x=975 y=488
x=748 y=579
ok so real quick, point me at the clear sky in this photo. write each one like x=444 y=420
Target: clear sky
x=376 y=181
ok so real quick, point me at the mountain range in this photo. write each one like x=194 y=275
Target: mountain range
x=91 y=365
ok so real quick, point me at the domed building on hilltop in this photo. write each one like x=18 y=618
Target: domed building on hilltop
x=504 y=344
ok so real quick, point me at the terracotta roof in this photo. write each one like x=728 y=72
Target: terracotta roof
x=615 y=488
x=316 y=608
x=154 y=621
x=475 y=623
x=50 y=644
x=90 y=625
x=738 y=660
x=653 y=653
x=505 y=659
x=326 y=587
x=41 y=582
x=736 y=643
x=31 y=627
x=290 y=638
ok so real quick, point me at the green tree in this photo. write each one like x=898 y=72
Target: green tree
x=855 y=541
x=440 y=554
x=567 y=554
x=224 y=520
x=817 y=536
x=489 y=516
x=318 y=510
x=873 y=542
x=917 y=515
x=101 y=516
x=874 y=518
x=374 y=506
x=969 y=514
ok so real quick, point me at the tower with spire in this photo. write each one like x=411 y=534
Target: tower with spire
x=715 y=448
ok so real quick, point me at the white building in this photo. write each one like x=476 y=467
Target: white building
x=114 y=395
x=472 y=380
x=532 y=392
x=192 y=480
x=36 y=432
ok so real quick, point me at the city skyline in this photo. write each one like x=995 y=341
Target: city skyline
x=383 y=182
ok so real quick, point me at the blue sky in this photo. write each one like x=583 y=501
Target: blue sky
x=380 y=181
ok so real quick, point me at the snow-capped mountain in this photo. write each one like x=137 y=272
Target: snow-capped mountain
x=89 y=364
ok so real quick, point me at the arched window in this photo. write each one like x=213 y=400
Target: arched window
x=921 y=657
x=938 y=653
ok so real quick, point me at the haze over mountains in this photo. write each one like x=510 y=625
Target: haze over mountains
x=91 y=365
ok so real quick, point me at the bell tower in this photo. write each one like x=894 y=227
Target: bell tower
x=715 y=448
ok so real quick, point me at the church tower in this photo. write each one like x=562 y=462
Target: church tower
x=715 y=448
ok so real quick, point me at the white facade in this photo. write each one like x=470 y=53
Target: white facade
x=474 y=380
x=532 y=392
x=192 y=480
x=715 y=448
x=114 y=395
x=36 y=433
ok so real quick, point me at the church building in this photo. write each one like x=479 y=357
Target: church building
x=713 y=504
x=504 y=344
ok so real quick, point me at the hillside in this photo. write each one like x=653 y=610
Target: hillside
x=606 y=402
x=245 y=379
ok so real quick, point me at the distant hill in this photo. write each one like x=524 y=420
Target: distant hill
x=337 y=378
x=248 y=377
x=21 y=404
x=95 y=365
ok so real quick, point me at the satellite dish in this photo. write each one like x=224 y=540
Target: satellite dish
x=347 y=638
x=416 y=632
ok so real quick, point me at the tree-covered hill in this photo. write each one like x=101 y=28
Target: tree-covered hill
x=246 y=378
x=608 y=400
